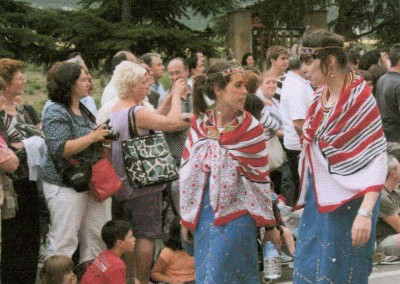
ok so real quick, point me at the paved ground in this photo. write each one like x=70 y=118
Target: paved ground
x=381 y=274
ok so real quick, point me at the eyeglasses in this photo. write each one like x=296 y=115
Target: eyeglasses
x=177 y=73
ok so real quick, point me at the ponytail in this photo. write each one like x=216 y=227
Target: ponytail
x=199 y=91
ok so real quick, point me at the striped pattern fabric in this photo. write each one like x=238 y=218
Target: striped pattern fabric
x=279 y=85
x=246 y=144
x=344 y=148
x=352 y=135
x=236 y=164
x=270 y=124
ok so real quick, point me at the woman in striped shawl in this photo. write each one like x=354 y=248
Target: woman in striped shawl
x=342 y=169
x=224 y=184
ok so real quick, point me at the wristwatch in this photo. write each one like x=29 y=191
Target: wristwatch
x=365 y=212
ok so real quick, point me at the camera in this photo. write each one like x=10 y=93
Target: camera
x=112 y=135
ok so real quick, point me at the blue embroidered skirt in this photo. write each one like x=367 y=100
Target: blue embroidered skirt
x=225 y=254
x=324 y=253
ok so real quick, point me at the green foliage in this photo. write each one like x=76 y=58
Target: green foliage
x=46 y=36
x=356 y=18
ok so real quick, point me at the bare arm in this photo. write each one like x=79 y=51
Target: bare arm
x=298 y=126
x=172 y=122
x=166 y=106
x=11 y=162
x=361 y=230
x=77 y=145
x=393 y=221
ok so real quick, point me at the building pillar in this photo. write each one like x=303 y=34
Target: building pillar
x=239 y=36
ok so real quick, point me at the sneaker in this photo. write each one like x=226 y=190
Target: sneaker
x=285 y=258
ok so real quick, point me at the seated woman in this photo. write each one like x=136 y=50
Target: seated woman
x=141 y=206
x=70 y=136
x=20 y=235
x=174 y=264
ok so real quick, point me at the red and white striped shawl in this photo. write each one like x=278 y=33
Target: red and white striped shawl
x=237 y=164
x=345 y=152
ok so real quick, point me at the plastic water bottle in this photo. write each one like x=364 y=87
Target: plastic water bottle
x=289 y=218
x=272 y=261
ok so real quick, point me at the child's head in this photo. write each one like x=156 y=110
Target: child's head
x=58 y=269
x=118 y=233
x=174 y=238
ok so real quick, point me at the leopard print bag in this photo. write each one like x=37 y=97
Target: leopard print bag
x=148 y=160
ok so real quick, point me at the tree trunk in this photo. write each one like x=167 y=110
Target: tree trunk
x=126 y=16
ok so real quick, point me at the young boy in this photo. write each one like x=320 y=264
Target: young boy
x=108 y=268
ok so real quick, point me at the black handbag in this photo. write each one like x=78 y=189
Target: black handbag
x=148 y=160
x=78 y=176
x=22 y=171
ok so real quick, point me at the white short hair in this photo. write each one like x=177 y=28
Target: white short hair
x=125 y=74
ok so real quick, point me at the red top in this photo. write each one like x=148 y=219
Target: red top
x=108 y=268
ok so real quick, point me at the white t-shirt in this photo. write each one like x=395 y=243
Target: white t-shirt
x=109 y=93
x=296 y=97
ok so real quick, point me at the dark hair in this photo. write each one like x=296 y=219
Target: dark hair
x=113 y=231
x=253 y=81
x=148 y=58
x=294 y=63
x=61 y=82
x=244 y=58
x=365 y=74
x=192 y=62
x=368 y=59
x=254 y=105
x=205 y=84
x=54 y=269
x=330 y=44
x=117 y=59
x=8 y=67
x=394 y=54
x=377 y=70
x=353 y=57
x=174 y=236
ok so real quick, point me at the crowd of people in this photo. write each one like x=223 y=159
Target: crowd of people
x=317 y=132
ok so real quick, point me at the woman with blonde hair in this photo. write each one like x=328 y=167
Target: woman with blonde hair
x=142 y=207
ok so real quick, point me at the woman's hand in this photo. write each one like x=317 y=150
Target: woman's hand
x=99 y=133
x=273 y=235
x=18 y=145
x=361 y=230
x=185 y=234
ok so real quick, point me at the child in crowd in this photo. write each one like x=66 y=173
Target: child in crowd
x=174 y=265
x=58 y=269
x=108 y=268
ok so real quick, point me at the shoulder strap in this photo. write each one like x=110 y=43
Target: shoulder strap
x=132 y=123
